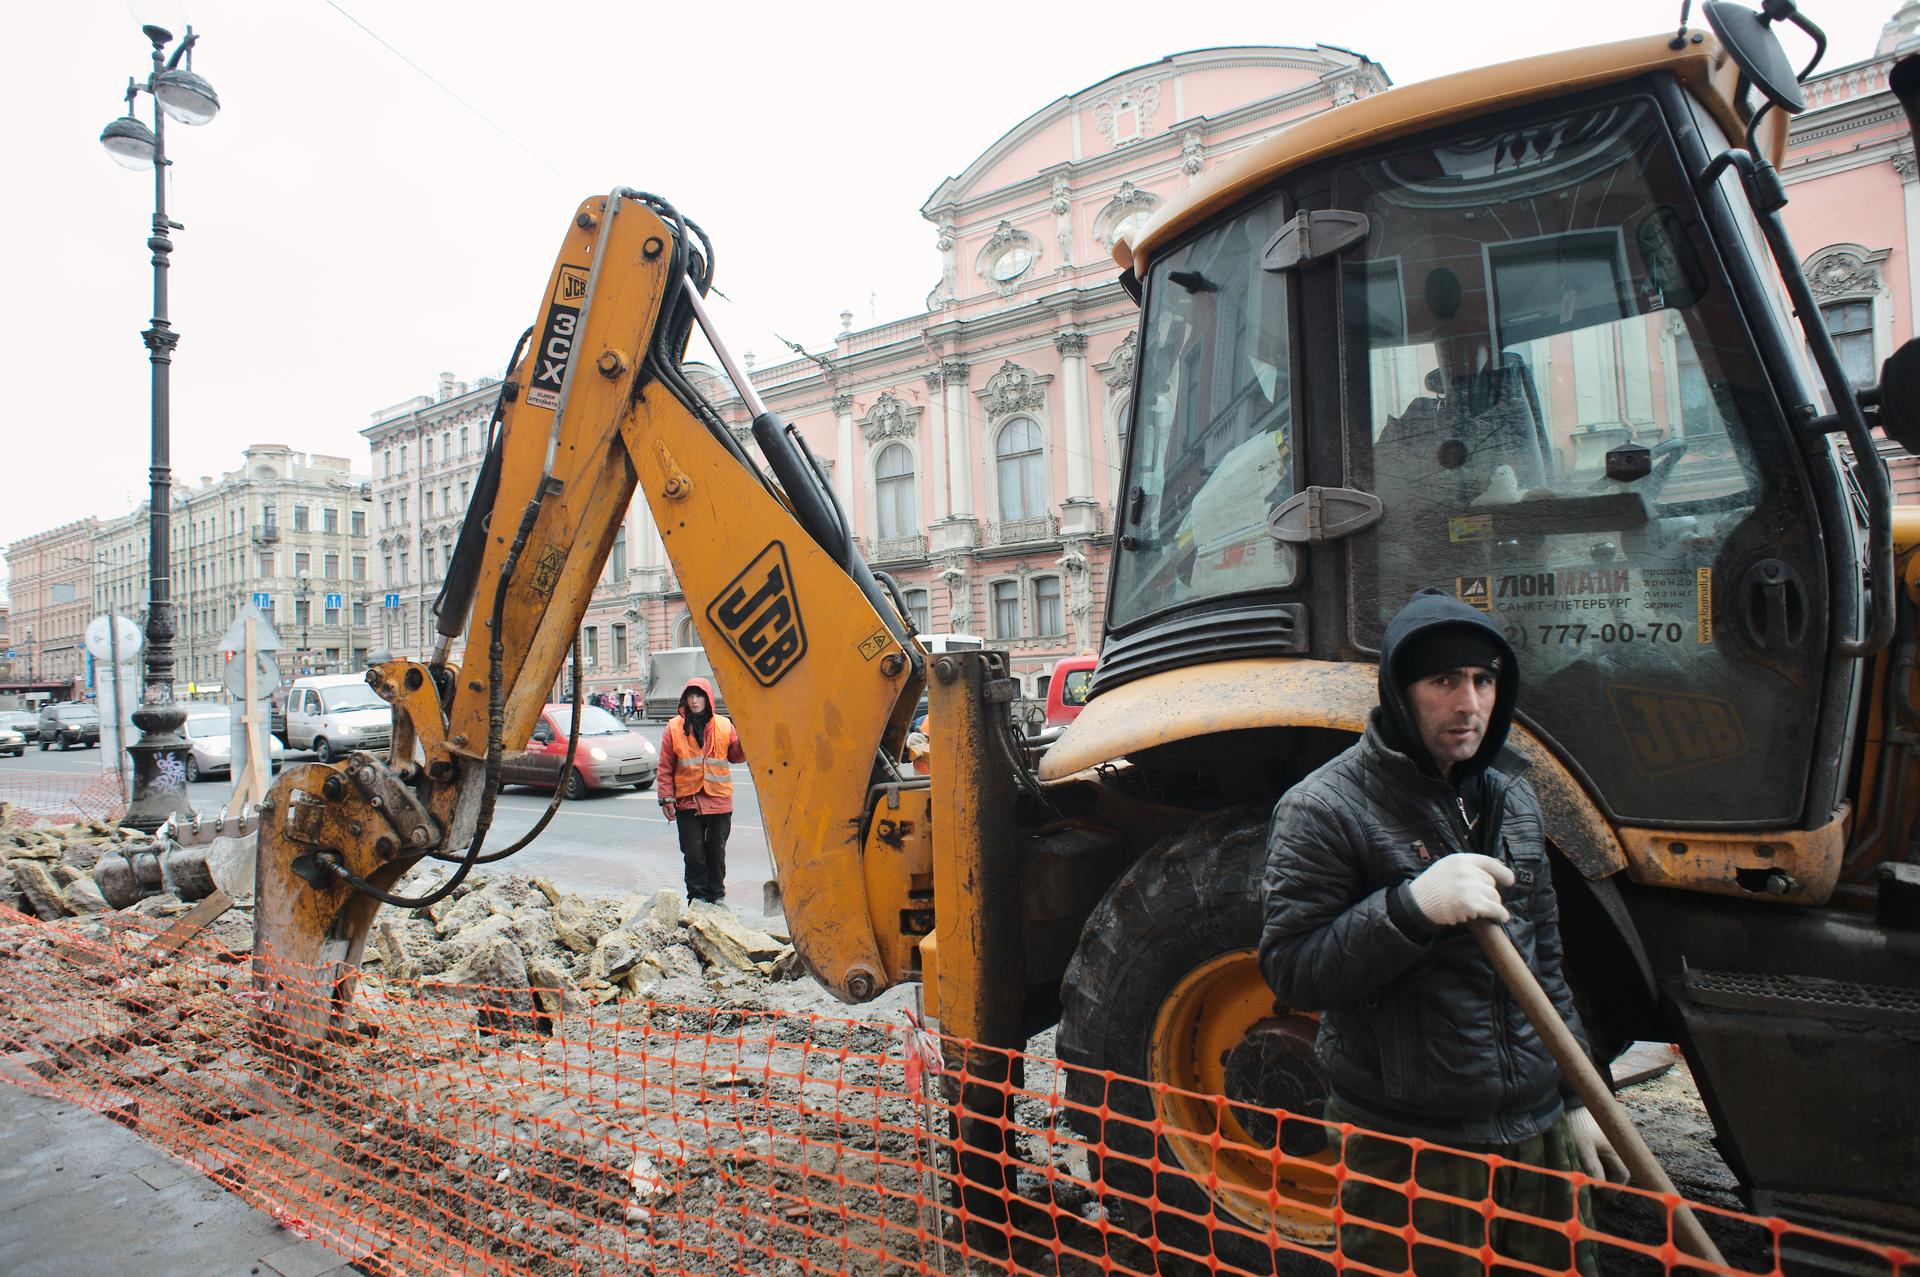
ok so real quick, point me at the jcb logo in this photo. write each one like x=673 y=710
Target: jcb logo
x=555 y=351
x=760 y=617
x=1674 y=731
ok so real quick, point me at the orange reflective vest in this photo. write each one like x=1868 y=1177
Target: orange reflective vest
x=698 y=769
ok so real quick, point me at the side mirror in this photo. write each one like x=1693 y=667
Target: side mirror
x=1751 y=43
x=1899 y=396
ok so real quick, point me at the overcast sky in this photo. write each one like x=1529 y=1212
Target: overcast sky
x=352 y=229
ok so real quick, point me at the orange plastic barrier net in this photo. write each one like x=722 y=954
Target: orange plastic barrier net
x=458 y=1128
x=34 y=797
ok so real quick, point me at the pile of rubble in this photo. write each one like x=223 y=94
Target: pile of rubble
x=514 y=932
x=48 y=872
x=503 y=931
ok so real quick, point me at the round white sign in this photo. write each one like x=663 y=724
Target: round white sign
x=100 y=640
x=266 y=675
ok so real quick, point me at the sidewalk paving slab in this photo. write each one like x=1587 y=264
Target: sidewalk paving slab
x=81 y=1193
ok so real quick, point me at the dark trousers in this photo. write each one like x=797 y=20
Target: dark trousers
x=703 y=846
x=1377 y=1216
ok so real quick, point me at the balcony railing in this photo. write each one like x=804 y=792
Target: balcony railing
x=1023 y=531
x=266 y=532
x=896 y=549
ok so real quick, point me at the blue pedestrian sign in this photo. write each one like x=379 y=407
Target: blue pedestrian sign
x=393 y=600
x=333 y=602
x=262 y=600
x=11 y=653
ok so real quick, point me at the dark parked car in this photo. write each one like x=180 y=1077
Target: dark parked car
x=68 y=724
x=608 y=756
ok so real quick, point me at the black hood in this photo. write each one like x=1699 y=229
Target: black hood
x=1428 y=609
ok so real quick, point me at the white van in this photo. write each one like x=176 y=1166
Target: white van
x=334 y=714
x=935 y=644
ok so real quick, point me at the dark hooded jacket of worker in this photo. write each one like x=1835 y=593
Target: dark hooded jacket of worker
x=1417 y=1033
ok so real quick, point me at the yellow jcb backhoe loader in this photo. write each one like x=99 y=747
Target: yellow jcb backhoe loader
x=1364 y=349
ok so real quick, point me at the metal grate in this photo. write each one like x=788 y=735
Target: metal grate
x=1805 y=995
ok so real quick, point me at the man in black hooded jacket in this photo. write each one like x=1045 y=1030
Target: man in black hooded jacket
x=1374 y=864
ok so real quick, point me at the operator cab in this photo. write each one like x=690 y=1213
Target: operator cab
x=1525 y=357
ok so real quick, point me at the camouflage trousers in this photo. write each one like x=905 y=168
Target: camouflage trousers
x=1436 y=1170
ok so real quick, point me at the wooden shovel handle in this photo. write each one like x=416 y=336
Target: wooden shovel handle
x=1593 y=1090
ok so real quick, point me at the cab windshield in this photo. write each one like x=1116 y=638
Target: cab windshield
x=1212 y=444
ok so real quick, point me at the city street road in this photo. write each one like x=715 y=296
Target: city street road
x=613 y=842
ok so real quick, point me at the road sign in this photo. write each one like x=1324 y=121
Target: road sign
x=262 y=600
x=393 y=600
x=264 y=638
x=11 y=653
x=100 y=642
x=333 y=601
x=266 y=675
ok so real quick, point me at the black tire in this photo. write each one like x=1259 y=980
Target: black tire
x=193 y=769
x=576 y=786
x=1193 y=900
x=43 y=747
x=643 y=785
x=322 y=749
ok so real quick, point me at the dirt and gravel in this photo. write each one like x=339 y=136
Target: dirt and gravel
x=564 y=1082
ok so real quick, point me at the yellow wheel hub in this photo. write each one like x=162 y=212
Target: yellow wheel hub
x=1223 y=1055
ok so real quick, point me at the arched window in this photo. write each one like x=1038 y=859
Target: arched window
x=893 y=493
x=684 y=634
x=917 y=610
x=1021 y=470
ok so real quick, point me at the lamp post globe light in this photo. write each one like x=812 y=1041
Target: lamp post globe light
x=159 y=756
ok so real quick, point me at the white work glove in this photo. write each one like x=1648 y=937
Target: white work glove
x=1461 y=887
x=1596 y=1155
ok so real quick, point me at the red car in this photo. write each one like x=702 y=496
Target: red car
x=1067 y=689
x=608 y=756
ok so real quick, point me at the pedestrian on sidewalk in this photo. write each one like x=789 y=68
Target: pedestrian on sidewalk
x=696 y=787
x=1374 y=864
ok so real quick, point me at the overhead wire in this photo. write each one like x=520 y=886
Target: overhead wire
x=437 y=83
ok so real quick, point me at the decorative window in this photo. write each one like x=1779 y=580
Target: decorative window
x=1124 y=214
x=463 y=441
x=1048 y=617
x=1020 y=467
x=1007 y=257
x=329 y=519
x=332 y=565
x=300 y=518
x=917 y=610
x=359 y=567
x=591 y=645
x=359 y=611
x=1004 y=609
x=619 y=646
x=358 y=523
x=896 y=514
x=302 y=563
x=1854 y=300
x=684 y=635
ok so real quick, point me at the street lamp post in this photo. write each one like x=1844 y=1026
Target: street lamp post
x=159 y=756
x=303 y=594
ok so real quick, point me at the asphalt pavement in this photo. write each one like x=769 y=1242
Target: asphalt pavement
x=611 y=842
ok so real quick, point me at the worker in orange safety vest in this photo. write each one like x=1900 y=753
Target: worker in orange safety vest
x=696 y=787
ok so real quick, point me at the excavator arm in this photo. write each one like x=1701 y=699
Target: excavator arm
x=818 y=666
